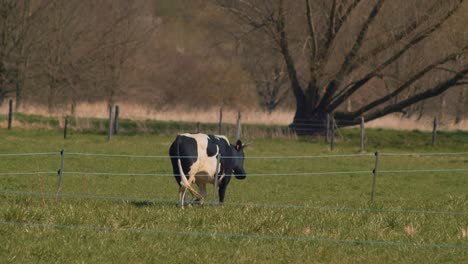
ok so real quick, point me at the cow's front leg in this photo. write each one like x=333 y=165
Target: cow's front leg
x=222 y=188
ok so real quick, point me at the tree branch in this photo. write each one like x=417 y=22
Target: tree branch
x=284 y=45
x=331 y=24
x=338 y=100
x=440 y=88
x=349 y=58
x=405 y=33
x=330 y=38
x=404 y=86
x=312 y=37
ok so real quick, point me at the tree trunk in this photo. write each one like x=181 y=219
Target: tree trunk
x=309 y=118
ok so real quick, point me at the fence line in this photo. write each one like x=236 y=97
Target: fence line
x=29 y=154
x=27 y=173
x=250 y=174
x=61 y=171
x=412 y=171
x=236 y=235
x=424 y=154
x=285 y=206
x=247 y=157
x=266 y=174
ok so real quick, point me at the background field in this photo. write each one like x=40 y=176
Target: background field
x=269 y=218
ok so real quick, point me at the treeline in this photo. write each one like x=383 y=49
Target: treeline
x=161 y=53
x=58 y=53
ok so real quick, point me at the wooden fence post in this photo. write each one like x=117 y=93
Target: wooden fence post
x=198 y=127
x=109 y=133
x=10 y=113
x=375 y=176
x=116 y=119
x=218 y=164
x=362 y=134
x=60 y=174
x=434 y=131
x=220 y=127
x=238 y=127
x=327 y=139
x=65 y=128
x=332 y=144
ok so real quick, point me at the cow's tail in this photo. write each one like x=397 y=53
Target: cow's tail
x=183 y=179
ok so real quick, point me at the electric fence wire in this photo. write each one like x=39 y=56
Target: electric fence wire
x=235 y=235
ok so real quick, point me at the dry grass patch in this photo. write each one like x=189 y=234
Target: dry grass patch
x=180 y=113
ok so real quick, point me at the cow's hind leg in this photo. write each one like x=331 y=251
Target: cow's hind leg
x=202 y=188
x=182 y=192
x=188 y=185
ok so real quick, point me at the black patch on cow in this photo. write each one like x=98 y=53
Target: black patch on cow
x=212 y=148
x=187 y=149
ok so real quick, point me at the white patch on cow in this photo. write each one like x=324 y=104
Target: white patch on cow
x=204 y=168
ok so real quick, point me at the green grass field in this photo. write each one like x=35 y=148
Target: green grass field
x=417 y=217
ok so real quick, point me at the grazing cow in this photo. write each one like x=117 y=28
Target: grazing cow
x=194 y=160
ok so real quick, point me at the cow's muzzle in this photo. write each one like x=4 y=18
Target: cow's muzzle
x=240 y=175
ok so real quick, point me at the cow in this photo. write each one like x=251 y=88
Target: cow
x=194 y=160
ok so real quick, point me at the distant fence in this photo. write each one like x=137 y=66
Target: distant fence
x=113 y=125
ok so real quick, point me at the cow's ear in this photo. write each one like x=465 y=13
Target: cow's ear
x=246 y=144
x=238 y=145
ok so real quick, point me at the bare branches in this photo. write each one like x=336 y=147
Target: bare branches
x=284 y=45
x=352 y=89
x=417 y=39
x=396 y=38
x=349 y=58
x=406 y=84
x=259 y=20
x=436 y=90
x=312 y=37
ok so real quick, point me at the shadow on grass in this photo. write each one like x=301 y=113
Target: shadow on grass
x=142 y=204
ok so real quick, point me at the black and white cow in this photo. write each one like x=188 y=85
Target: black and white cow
x=194 y=160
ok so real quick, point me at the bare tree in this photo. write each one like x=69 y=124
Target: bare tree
x=351 y=47
x=16 y=17
x=82 y=49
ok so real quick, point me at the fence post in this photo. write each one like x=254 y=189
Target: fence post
x=198 y=127
x=434 y=131
x=238 y=129
x=65 y=128
x=362 y=134
x=375 y=176
x=10 y=112
x=116 y=119
x=220 y=127
x=332 y=144
x=328 y=129
x=60 y=174
x=109 y=133
x=218 y=160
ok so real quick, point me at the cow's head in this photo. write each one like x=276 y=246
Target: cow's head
x=238 y=159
